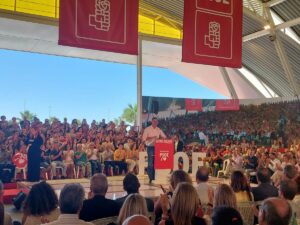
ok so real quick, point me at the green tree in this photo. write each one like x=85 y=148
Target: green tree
x=130 y=113
x=29 y=115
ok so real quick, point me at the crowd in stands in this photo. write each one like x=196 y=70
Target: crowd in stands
x=258 y=144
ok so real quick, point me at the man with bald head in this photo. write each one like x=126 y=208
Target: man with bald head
x=137 y=220
x=97 y=206
x=275 y=211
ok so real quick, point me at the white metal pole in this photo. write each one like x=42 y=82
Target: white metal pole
x=139 y=86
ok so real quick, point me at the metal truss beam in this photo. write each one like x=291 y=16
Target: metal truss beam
x=228 y=83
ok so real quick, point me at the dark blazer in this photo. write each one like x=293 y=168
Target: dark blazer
x=263 y=191
x=179 y=146
x=150 y=203
x=98 y=207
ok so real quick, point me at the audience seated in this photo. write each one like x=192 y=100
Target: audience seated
x=288 y=190
x=204 y=190
x=97 y=206
x=185 y=206
x=275 y=211
x=131 y=185
x=135 y=204
x=137 y=220
x=264 y=189
x=5 y=218
x=70 y=202
x=225 y=215
x=241 y=187
x=224 y=196
x=41 y=205
x=177 y=177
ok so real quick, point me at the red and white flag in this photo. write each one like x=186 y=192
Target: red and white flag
x=228 y=105
x=107 y=25
x=193 y=105
x=212 y=32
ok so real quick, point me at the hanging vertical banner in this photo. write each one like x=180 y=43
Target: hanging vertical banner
x=193 y=104
x=107 y=25
x=212 y=32
x=228 y=105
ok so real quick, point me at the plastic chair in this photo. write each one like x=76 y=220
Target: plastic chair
x=23 y=169
x=105 y=221
x=246 y=211
x=224 y=169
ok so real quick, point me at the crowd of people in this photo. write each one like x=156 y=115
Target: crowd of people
x=258 y=144
x=182 y=203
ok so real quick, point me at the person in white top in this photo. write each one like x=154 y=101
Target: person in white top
x=204 y=190
x=236 y=160
x=150 y=135
x=70 y=203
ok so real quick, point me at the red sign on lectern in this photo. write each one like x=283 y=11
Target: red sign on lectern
x=164 y=154
x=213 y=32
x=108 y=25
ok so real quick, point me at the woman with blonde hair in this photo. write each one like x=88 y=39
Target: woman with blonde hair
x=177 y=177
x=185 y=204
x=135 y=204
x=224 y=196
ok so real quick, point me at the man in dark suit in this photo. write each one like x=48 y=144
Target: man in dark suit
x=97 y=206
x=177 y=143
x=131 y=185
x=264 y=189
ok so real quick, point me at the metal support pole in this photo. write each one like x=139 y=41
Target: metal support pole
x=139 y=86
x=228 y=82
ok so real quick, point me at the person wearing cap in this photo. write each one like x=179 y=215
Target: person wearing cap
x=150 y=135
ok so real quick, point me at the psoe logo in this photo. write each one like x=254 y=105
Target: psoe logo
x=101 y=19
x=164 y=155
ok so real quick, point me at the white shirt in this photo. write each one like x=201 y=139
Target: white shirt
x=69 y=219
x=202 y=190
x=238 y=162
x=156 y=133
x=273 y=165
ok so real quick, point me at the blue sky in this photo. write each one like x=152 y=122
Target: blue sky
x=78 y=88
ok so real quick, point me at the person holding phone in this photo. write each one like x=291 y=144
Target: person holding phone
x=150 y=135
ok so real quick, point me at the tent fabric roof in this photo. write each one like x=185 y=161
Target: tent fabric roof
x=259 y=54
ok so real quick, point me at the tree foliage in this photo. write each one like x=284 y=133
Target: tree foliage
x=29 y=115
x=130 y=113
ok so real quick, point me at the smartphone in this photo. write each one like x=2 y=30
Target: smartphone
x=163 y=189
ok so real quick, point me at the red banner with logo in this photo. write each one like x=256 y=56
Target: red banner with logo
x=107 y=25
x=212 y=32
x=228 y=105
x=193 y=104
x=164 y=154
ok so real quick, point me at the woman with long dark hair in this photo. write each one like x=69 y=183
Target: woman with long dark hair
x=41 y=205
x=34 y=155
x=241 y=187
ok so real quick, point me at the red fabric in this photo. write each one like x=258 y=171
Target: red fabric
x=10 y=186
x=212 y=32
x=227 y=105
x=9 y=195
x=164 y=154
x=193 y=104
x=108 y=25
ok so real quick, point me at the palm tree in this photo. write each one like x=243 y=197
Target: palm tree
x=130 y=113
x=29 y=115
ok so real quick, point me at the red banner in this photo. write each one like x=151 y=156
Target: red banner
x=213 y=32
x=164 y=154
x=228 y=105
x=193 y=104
x=108 y=25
